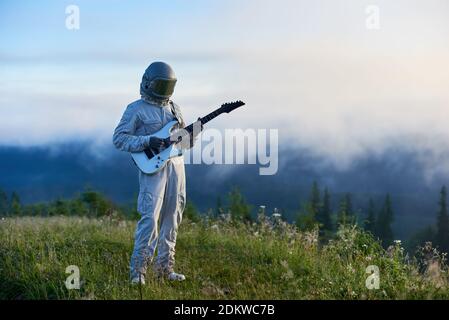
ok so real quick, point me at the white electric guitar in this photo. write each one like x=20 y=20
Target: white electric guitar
x=151 y=161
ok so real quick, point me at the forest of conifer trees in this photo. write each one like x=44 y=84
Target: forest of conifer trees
x=317 y=212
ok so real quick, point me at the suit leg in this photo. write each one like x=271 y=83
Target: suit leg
x=146 y=235
x=171 y=217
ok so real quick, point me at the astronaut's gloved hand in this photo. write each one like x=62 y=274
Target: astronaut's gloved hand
x=198 y=125
x=197 y=128
x=156 y=143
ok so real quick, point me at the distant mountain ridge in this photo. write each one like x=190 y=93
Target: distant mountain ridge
x=46 y=173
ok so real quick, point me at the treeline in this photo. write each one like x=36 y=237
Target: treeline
x=232 y=207
x=94 y=204
x=438 y=233
x=317 y=211
x=88 y=203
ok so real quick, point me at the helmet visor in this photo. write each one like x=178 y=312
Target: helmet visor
x=163 y=87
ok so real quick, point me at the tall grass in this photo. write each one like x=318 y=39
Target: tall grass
x=222 y=260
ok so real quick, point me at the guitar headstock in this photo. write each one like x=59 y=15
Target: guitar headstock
x=231 y=106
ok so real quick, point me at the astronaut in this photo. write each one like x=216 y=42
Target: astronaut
x=162 y=196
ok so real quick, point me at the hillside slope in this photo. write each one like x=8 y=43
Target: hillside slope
x=222 y=260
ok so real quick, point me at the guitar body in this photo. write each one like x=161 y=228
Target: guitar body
x=150 y=162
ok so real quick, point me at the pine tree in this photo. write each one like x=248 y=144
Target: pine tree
x=346 y=212
x=16 y=206
x=315 y=199
x=218 y=207
x=384 y=222
x=349 y=208
x=306 y=220
x=191 y=212
x=60 y=207
x=238 y=207
x=98 y=205
x=3 y=203
x=341 y=215
x=78 y=208
x=324 y=213
x=442 y=236
x=370 y=222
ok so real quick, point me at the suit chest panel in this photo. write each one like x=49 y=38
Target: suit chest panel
x=152 y=118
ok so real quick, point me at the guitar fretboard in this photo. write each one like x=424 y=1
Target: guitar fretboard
x=205 y=119
x=210 y=116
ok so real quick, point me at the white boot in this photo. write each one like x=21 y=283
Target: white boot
x=173 y=276
x=138 y=280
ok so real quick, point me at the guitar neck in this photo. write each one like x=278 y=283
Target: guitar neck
x=211 y=116
x=205 y=119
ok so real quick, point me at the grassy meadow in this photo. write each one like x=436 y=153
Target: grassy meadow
x=222 y=260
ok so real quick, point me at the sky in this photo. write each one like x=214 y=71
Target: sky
x=311 y=69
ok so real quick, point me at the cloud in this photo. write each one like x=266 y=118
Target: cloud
x=310 y=69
